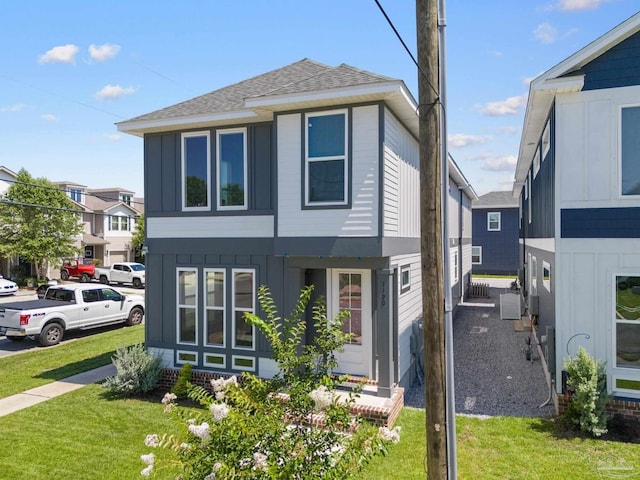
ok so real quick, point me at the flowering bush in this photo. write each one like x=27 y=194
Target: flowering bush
x=294 y=426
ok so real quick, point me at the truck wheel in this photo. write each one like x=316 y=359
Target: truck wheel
x=15 y=339
x=104 y=279
x=51 y=334
x=135 y=316
x=137 y=283
x=64 y=275
x=85 y=278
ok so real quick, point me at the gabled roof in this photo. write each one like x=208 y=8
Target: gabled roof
x=563 y=78
x=501 y=199
x=461 y=181
x=8 y=172
x=303 y=84
x=98 y=204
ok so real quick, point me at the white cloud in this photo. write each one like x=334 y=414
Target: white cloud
x=509 y=130
x=575 y=5
x=510 y=106
x=100 y=53
x=49 y=117
x=16 y=107
x=463 y=140
x=546 y=33
x=113 y=92
x=500 y=164
x=62 y=54
x=506 y=183
x=114 y=137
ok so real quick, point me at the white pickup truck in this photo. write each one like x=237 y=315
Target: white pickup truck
x=68 y=307
x=123 y=272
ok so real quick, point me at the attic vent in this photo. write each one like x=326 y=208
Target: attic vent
x=509 y=306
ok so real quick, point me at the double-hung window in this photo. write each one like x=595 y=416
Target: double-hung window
x=630 y=151
x=196 y=160
x=493 y=221
x=119 y=223
x=326 y=158
x=187 y=304
x=244 y=293
x=75 y=194
x=232 y=169
x=627 y=321
x=476 y=255
x=214 y=304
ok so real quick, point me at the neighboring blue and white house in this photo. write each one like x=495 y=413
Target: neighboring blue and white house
x=496 y=232
x=305 y=175
x=578 y=181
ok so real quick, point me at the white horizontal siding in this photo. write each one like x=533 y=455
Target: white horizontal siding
x=361 y=220
x=245 y=226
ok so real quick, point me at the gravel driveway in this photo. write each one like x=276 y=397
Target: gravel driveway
x=492 y=376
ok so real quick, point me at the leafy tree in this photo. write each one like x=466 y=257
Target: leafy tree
x=137 y=240
x=36 y=222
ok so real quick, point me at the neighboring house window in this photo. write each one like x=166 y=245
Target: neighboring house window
x=214 y=305
x=232 y=169
x=536 y=162
x=326 y=162
x=493 y=221
x=350 y=285
x=454 y=266
x=546 y=140
x=530 y=194
x=187 y=302
x=546 y=275
x=125 y=198
x=243 y=301
x=196 y=156
x=75 y=194
x=534 y=276
x=405 y=278
x=476 y=255
x=627 y=314
x=630 y=151
x=119 y=223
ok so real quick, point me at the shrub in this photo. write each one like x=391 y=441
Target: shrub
x=183 y=383
x=588 y=382
x=137 y=371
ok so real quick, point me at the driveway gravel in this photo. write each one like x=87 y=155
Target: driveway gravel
x=492 y=375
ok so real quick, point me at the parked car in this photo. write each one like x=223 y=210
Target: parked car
x=7 y=287
x=82 y=268
x=69 y=307
x=123 y=272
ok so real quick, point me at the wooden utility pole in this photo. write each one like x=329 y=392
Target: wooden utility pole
x=431 y=238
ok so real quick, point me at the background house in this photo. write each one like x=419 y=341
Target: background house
x=577 y=180
x=305 y=175
x=7 y=177
x=496 y=232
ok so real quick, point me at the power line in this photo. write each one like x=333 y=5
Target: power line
x=62 y=209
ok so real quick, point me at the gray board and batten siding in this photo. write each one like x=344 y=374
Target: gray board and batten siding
x=617 y=67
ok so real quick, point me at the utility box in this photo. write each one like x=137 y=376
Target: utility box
x=510 y=306
x=534 y=305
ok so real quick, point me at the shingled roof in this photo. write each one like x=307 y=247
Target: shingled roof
x=501 y=199
x=256 y=98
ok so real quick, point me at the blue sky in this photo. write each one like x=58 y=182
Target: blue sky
x=71 y=69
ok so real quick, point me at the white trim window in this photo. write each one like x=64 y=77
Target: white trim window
x=476 y=255
x=243 y=300
x=627 y=324
x=119 y=223
x=530 y=183
x=187 y=306
x=494 y=223
x=214 y=307
x=405 y=278
x=231 y=169
x=196 y=171
x=546 y=140
x=629 y=151
x=75 y=194
x=326 y=169
x=454 y=266
x=546 y=275
x=536 y=162
x=534 y=275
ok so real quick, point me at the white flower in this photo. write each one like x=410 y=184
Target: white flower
x=220 y=395
x=191 y=421
x=216 y=467
x=152 y=440
x=147 y=471
x=168 y=398
x=322 y=397
x=211 y=476
x=219 y=411
x=185 y=446
x=260 y=461
x=201 y=431
x=389 y=435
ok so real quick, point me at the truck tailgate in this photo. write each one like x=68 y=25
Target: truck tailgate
x=10 y=312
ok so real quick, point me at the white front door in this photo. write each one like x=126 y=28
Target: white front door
x=351 y=290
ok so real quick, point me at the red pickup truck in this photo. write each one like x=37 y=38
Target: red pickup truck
x=82 y=268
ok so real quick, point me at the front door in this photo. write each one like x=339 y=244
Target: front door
x=351 y=290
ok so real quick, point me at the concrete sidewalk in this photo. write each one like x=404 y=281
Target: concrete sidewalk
x=43 y=393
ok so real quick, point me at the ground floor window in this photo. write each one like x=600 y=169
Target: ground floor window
x=187 y=302
x=244 y=293
x=627 y=318
x=350 y=291
x=476 y=255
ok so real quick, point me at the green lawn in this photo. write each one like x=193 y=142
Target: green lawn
x=45 y=365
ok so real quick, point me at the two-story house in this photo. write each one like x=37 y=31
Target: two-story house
x=7 y=177
x=304 y=175
x=496 y=232
x=578 y=182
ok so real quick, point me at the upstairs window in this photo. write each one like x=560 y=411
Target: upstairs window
x=75 y=194
x=196 y=156
x=232 y=169
x=493 y=221
x=630 y=151
x=125 y=198
x=326 y=168
x=119 y=223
